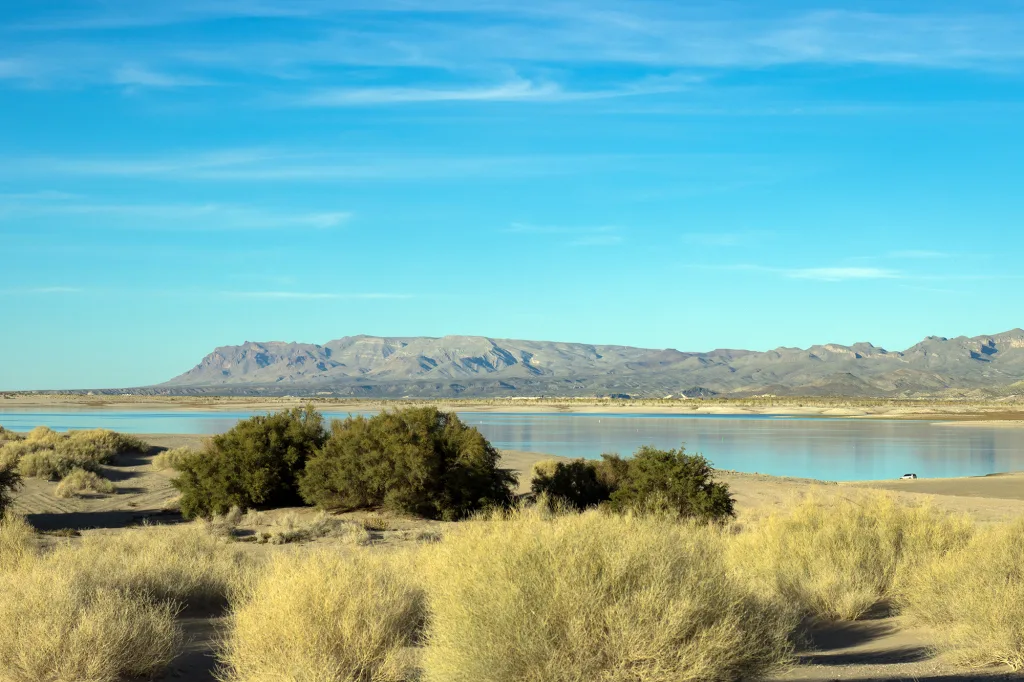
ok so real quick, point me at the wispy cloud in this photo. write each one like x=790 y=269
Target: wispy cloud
x=259 y=165
x=140 y=76
x=168 y=216
x=841 y=274
x=41 y=290
x=600 y=235
x=725 y=239
x=917 y=255
x=420 y=41
x=822 y=274
x=519 y=89
x=313 y=295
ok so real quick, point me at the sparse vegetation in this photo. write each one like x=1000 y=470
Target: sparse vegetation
x=839 y=558
x=82 y=482
x=254 y=465
x=293 y=528
x=173 y=458
x=593 y=597
x=326 y=616
x=974 y=599
x=187 y=565
x=10 y=480
x=44 y=453
x=418 y=460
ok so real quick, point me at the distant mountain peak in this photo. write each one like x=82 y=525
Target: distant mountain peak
x=363 y=365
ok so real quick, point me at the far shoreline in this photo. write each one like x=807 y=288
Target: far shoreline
x=965 y=413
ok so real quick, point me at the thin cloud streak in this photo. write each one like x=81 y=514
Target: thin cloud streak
x=516 y=90
x=173 y=216
x=313 y=295
x=41 y=290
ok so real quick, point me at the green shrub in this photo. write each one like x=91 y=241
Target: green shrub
x=417 y=460
x=9 y=482
x=651 y=481
x=577 y=484
x=254 y=465
x=591 y=596
x=670 y=482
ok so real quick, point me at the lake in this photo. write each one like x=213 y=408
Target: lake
x=830 y=449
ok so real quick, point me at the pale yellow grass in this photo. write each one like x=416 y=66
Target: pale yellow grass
x=172 y=459
x=325 y=617
x=17 y=543
x=299 y=528
x=45 y=453
x=974 y=599
x=58 y=623
x=593 y=597
x=837 y=558
x=188 y=565
x=82 y=482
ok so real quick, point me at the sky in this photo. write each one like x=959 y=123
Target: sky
x=177 y=176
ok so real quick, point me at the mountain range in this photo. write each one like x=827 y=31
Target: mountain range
x=477 y=366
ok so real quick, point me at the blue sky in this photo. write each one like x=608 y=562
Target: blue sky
x=179 y=176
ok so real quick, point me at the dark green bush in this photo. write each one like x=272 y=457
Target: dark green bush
x=9 y=482
x=651 y=481
x=418 y=460
x=577 y=484
x=254 y=465
x=673 y=482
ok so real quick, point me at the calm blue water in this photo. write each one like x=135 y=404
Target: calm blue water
x=830 y=449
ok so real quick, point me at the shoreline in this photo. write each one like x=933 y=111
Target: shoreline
x=943 y=413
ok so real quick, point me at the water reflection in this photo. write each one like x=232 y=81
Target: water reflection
x=814 y=448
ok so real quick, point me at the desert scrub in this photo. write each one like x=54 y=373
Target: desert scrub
x=416 y=460
x=296 y=528
x=18 y=544
x=44 y=453
x=838 y=558
x=255 y=465
x=58 y=625
x=186 y=565
x=173 y=458
x=82 y=482
x=974 y=599
x=592 y=596
x=329 y=616
x=10 y=481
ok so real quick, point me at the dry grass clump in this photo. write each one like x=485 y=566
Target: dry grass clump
x=294 y=528
x=187 y=565
x=593 y=597
x=58 y=625
x=82 y=482
x=838 y=558
x=325 y=617
x=44 y=453
x=17 y=543
x=172 y=459
x=974 y=599
x=7 y=436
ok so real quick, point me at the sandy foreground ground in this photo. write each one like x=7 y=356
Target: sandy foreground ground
x=875 y=649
